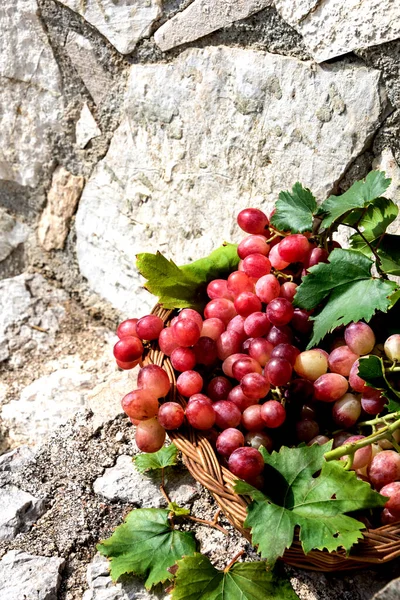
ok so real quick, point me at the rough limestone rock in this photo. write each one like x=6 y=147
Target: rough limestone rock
x=86 y=127
x=205 y=136
x=97 y=80
x=62 y=200
x=123 y=23
x=124 y=482
x=105 y=399
x=101 y=586
x=12 y=234
x=27 y=577
x=202 y=17
x=31 y=103
x=18 y=511
x=391 y=591
x=332 y=27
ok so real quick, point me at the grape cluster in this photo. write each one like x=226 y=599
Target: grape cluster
x=245 y=374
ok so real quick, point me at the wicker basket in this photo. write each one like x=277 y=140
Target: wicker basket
x=377 y=546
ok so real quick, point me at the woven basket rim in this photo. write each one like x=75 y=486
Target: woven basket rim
x=378 y=545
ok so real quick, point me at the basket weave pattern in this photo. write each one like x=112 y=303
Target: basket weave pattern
x=377 y=546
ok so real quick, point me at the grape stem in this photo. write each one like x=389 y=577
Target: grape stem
x=234 y=559
x=390 y=416
x=393 y=369
x=347 y=449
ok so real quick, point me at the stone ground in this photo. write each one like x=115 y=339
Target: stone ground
x=101 y=158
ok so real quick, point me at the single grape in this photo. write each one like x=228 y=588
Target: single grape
x=128 y=349
x=140 y=404
x=189 y=383
x=170 y=415
x=127 y=328
x=372 y=401
x=392 y=347
x=183 y=359
x=218 y=288
x=268 y=288
x=246 y=463
x=243 y=366
x=186 y=332
x=200 y=414
x=213 y=328
x=149 y=436
x=288 y=290
x=330 y=387
x=200 y=398
x=228 y=363
x=359 y=337
x=279 y=335
x=276 y=259
x=318 y=439
x=256 y=265
x=307 y=411
x=149 y=327
x=341 y=360
x=205 y=351
x=346 y=411
x=192 y=315
x=294 y=248
x=301 y=321
x=252 y=419
x=280 y=311
x=255 y=439
x=278 y=371
x=228 y=441
x=247 y=303
x=167 y=341
x=240 y=399
x=228 y=343
x=239 y=282
x=384 y=469
x=253 y=220
x=219 y=388
x=286 y=351
x=340 y=438
x=227 y=414
x=356 y=382
x=273 y=414
x=306 y=430
x=256 y=325
x=261 y=350
x=155 y=380
x=221 y=308
x=311 y=364
x=237 y=324
x=315 y=256
x=362 y=456
x=127 y=365
x=255 y=385
x=392 y=491
x=253 y=244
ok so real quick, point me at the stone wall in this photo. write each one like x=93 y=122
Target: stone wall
x=137 y=125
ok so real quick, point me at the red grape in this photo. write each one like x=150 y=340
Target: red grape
x=171 y=415
x=253 y=220
x=140 y=404
x=246 y=463
x=150 y=436
x=228 y=441
x=128 y=349
x=149 y=327
x=273 y=414
x=189 y=383
x=154 y=379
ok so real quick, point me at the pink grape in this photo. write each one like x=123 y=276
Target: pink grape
x=253 y=244
x=273 y=414
x=237 y=324
x=228 y=363
x=255 y=385
x=356 y=382
x=279 y=335
x=218 y=288
x=253 y=220
x=252 y=419
x=256 y=265
x=191 y=315
x=384 y=468
x=219 y=388
x=286 y=351
x=186 y=332
x=362 y=456
x=155 y=380
x=288 y=290
x=280 y=311
x=346 y=411
x=200 y=415
x=189 y=383
x=170 y=415
x=311 y=364
x=239 y=282
x=268 y=288
x=127 y=328
x=294 y=248
x=167 y=341
x=128 y=349
x=205 y=351
x=149 y=327
x=255 y=439
x=341 y=360
x=257 y=324
x=183 y=359
x=372 y=401
x=200 y=398
x=278 y=371
x=243 y=366
x=261 y=350
x=221 y=308
x=246 y=463
x=301 y=321
x=228 y=441
x=392 y=347
x=228 y=343
x=276 y=259
x=330 y=387
x=140 y=404
x=316 y=256
x=360 y=338
x=240 y=399
x=213 y=328
x=150 y=436
x=247 y=303
x=392 y=491
x=227 y=414
x=127 y=365
x=307 y=430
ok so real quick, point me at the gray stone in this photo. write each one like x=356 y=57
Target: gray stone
x=105 y=399
x=391 y=591
x=62 y=201
x=332 y=28
x=11 y=312
x=216 y=130
x=202 y=17
x=101 y=586
x=27 y=577
x=18 y=511
x=97 y=80
x=123 y=23
x=12 y=234
x=15 y=459
x=31 y=103
x=86 y=127
x=124 y=482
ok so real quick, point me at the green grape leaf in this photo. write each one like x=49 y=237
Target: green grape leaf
x=316 y=504
x=146 y=545
x=348 y=290
x=184 y=287
x=197 y=579
x=359 y=195
x=294 y=211
x=373 y=222
x=372 y=370
x=389 y=253
x=166 y=457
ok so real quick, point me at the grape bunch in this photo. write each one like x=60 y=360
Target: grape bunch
x=245 y=375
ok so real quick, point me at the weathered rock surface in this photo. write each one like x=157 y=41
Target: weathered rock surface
x=101 y=586
x=86 y=127
x=18 y=511
x=391 y=591
x=123 y=23
x=105 y=399
x=62 y=201
x=97 y=80
x=12 y=234
x=332 y=27
x=124 y=482
x=202 y=17
x=205 y=136
x=29 y=577
x=31 y=103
